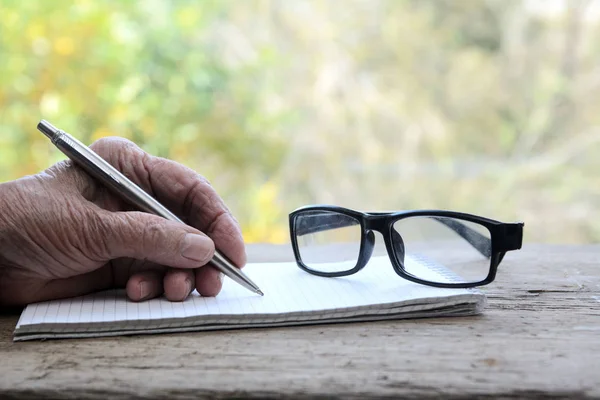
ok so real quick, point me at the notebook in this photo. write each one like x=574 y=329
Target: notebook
x=292 y=297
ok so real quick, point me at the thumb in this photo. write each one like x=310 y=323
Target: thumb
x=149 y=237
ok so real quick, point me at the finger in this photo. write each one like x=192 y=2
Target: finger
x=209 y=281
x=145 y=236
x=181 y=190
x=125 y=268
x=201 y=205
x=178 y=284
x=144 y=285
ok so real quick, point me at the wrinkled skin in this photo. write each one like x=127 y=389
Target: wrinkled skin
x=62 y=234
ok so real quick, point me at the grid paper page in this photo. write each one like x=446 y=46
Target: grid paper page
x=291 y=296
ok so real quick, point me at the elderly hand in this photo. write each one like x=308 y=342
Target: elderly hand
x=62 y=234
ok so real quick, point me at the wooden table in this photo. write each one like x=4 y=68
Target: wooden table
x=538 y=338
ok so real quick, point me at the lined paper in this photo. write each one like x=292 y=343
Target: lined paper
x=292 y=297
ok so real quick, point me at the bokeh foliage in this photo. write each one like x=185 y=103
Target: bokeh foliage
x=488 y=107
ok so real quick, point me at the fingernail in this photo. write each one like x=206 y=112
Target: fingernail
x=144 y=290
x=197 y=247
x=221 y=277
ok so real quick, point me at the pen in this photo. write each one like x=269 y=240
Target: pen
x=98 y=168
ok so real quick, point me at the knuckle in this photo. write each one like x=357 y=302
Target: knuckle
x=223 y=224
x=116 y=150
x=111 y=141
x=152 y=232
x=153 y=239
x=203 y=179
x=197 y=197
x=127 y=157
x=214 y=215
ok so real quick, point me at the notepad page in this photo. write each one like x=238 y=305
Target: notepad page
x=290 y=293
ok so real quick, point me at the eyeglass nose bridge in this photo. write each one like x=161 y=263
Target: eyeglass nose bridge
x=393 y=240
x=376 y=222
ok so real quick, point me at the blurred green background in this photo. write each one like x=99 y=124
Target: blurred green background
x=490 y=107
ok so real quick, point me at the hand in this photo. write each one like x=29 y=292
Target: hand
x=62 y=234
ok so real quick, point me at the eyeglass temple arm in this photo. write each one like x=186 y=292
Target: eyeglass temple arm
x=481 y=243
x=334 y=221
x=327 y=221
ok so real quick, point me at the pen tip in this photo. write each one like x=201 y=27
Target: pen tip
x=260 y=292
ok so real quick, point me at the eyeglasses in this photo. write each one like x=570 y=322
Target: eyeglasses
x=432 y=247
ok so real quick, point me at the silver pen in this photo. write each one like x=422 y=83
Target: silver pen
x=98 y=168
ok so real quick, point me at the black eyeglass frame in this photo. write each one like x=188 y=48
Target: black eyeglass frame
x=504 y=237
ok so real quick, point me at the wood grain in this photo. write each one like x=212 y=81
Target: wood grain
x=539 y=337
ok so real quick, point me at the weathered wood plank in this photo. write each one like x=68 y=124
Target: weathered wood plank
x=539 y=338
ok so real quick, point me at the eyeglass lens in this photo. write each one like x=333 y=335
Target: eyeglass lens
x=444 y=249
x=435 y=249
x=328 y=241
